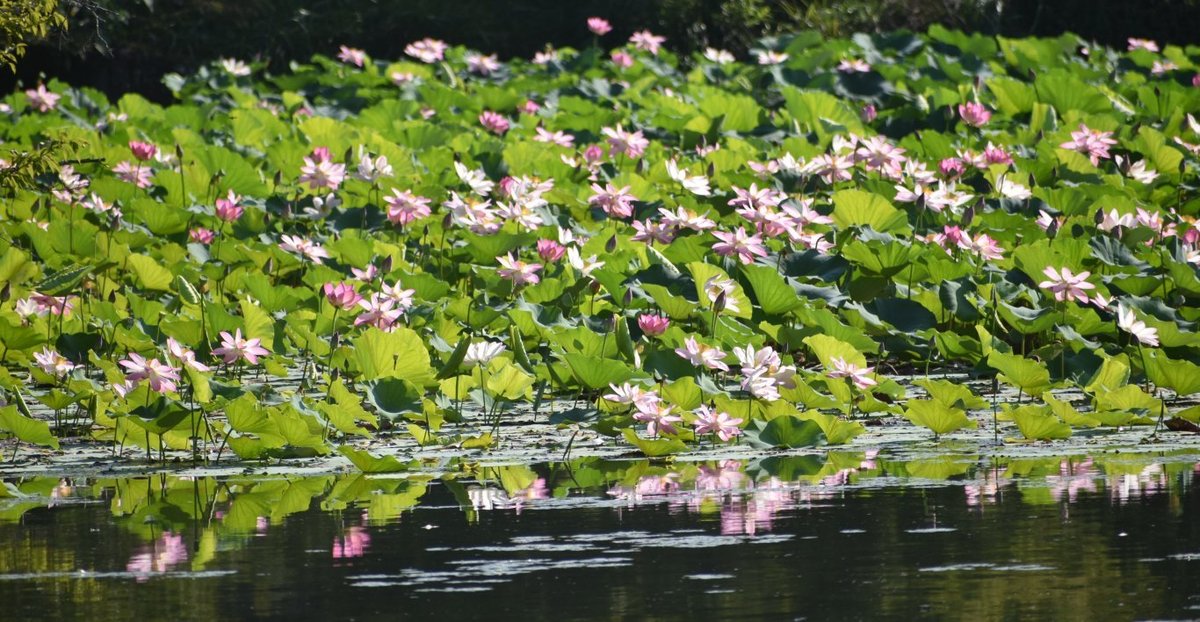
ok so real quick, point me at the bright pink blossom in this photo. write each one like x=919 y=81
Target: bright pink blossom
x=234 y=347
x=599 y=26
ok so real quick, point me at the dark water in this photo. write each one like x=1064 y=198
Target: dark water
x=852 y=536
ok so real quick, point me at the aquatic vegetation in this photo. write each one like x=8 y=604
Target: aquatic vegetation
x=704 y=250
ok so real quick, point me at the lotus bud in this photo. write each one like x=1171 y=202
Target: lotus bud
x=611 y=244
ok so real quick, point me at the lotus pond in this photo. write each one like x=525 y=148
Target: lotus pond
x=846 y=535
x=881 y=285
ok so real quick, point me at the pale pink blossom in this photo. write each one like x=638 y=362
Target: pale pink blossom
x=184 y=355
x=352 y=56
x=653 y=325
x=645 y=40
x=1128 y=322
x=711 y=421
x=974 y=114
x=616 y=202
x=162 y=377
x=493 y=122
x=484 y=65
x=202 y=235
x=234 y=347
x=42 y=99
x=320 y=171
x=860 y=376
x=517 y=271
x=53 y=363
x=550 y=250
x=558 y=137
x=621 y=59
x=135 y=174
x=341 y=295
x=853 y=65
x=1092 y=143
x=599 y=26
x=629 y=144
x=1067 y=286
x=304 y=247
x=406 y=207
x=658 y=417
x=427 y=50
x=702 y=355
x=738 y=243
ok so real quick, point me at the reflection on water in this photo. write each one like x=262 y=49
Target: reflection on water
x=951 y=536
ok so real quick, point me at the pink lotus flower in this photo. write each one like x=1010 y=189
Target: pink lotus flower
x=653 y=325
x=1092 y=143
x=133 y=173
x=162 y=377
x=549 y=250
x=629 y=144
x=853 y=65
x=234 y=347
x=379 y=311
x=427 y=50
x=621 y=59
x=648 y=232
x=142 y=151
x=530 y=107
x=710 y=421
x=859 y=376
x=41 y=99
x=974 y=114
x=952 y=168
x=304 y=247
x=987 y=247
x=557 y=137
x=1142 y=44
x=599 y=26
x=657 y=416
x=493 y=122
x=702 y=355
x=202 y=235
x=53 y=363
x=406 y=207
x=352 y=56
x=1128 y=322
x=616 y=202
x=482 y=65
x=53 y=305
x=397 y=294
x=869 y=113
x=646 y=40
x=1067 y=286
x=228 y=209
x=185 y=356
x=319 y=171
x=341 y=295
x=631 y=394
x=519 y=272
x=737 y=243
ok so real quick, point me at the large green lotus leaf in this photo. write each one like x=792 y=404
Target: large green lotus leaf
x=654 y=448
x=1180 y=376
x=1038 y=423
x=676 y=307
x=774 y=295
x=792 y=432
x=1127 y=398
x=367 y=463
x=397 y=354
x=150 y=273
x=837 y=431
x=394 y=396
x=938 y=417
x=1012 y=96
x=508 y=380
x=883 y=259
x=952 y=394
x=741 y=113
x=1113 y=374
x=597 y=373
x=828 y=348
x=1063 y=410
x=858 y=208
x=27 y=429
x=1029 y=376
x=817 y=111
x=937 y=468
x=684 y=393
x=1066 y=92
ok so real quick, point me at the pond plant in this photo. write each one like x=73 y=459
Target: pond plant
x=702 y=250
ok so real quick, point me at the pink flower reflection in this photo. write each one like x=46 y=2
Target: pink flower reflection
x=161 y=555
x=1072 y=479
x=354 y=543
